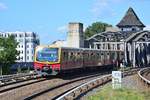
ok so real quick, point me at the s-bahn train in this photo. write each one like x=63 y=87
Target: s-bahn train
x=51 y=60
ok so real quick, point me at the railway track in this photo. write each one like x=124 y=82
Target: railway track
x=16 y=78
x=19 y=84
x=18 y=93
x=23 y=90
x=57 y=91
x=10 y=82
x=52 y=93
x=144 y=75
x=81 y=90
x=147 y=75
x=50 y=88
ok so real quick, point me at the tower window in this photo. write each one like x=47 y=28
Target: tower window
x=133 y=29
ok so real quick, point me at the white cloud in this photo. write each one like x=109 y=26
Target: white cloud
x=62 y=29
x=147 y=27
x=103 y=7
x=3 y=6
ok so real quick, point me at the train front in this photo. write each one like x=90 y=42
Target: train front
x=46 y=60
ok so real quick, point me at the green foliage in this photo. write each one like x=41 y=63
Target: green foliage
x=95 y=28
x=107 y=93
x=8 y=53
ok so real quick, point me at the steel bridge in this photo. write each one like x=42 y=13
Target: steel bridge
x=136 y=48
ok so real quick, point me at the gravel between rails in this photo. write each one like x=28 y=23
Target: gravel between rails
x=134 y=82
x=20 y=84
x=51 y=95
x=25 y=91
x=147 y=74
x=22 y=92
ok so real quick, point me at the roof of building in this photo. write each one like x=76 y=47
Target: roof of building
x=130 y=19
x=75 y=23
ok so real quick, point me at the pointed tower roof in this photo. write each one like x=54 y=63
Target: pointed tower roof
x=130 y=19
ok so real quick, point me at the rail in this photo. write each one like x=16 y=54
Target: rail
x=74 y=93
x=140 y=74
x=83 y=88
x=13 y=77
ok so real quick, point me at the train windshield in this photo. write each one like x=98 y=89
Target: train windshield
x=47 y=55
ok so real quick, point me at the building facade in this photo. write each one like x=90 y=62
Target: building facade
x=27 y=41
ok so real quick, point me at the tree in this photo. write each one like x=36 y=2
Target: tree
x=95 y=28
x=8 y=53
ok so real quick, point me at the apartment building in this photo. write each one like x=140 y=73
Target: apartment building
x=27 y=41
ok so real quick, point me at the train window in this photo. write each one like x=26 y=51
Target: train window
x=87 y=56
x=99 y=57
x=71 y=55
x=97 y=54
x=67 y=55
x=79 y=53
x=78 y=56
x=75 y=56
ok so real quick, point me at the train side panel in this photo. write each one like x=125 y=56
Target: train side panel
x=100 y=58
x=71 y=59
x=94 y=58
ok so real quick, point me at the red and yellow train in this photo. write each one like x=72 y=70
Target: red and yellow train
x=53 y=60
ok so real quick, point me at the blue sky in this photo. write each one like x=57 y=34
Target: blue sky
x=49 y=18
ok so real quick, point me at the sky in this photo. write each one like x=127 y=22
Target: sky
x=50 y=18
